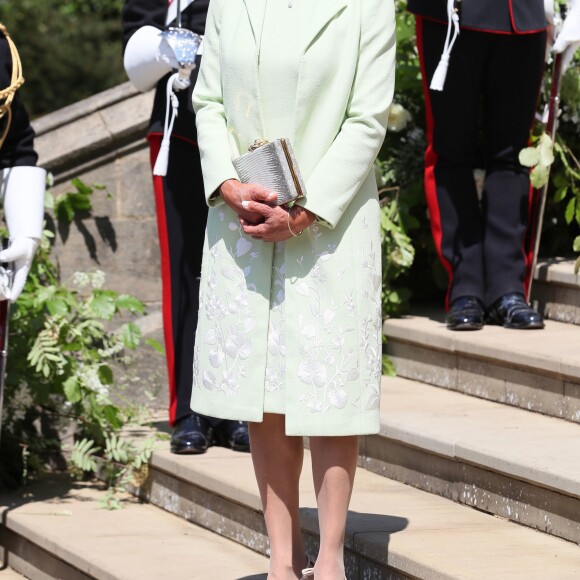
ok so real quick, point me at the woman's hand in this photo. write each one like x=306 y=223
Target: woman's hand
x=277 y=223
x=235 y=194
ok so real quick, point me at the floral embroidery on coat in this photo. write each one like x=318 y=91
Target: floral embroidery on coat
x=229 y=334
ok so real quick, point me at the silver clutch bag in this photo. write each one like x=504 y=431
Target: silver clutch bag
x=272 y=165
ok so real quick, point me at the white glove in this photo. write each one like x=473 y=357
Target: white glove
x=22 y=191
x=146 y=61
x=568 y=41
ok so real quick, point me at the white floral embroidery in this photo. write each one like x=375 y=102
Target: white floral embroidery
x=276 y=361
x=228 y=335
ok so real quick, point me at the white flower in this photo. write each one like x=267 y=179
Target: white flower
x=312 y=372
x=98 y=279
x=243 y=246
x=216 y=356
x=238 y=345
x=398 y=118
x=209 y=380
x=81 y=279
x=338 y=398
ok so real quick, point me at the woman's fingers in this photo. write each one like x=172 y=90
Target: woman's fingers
x=257 y=207
x=259 y=193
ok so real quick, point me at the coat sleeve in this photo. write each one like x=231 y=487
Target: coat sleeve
x=212 y=131
x=340 y=173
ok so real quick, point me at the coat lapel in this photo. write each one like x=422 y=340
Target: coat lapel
x=324 y=12
x=256 y=10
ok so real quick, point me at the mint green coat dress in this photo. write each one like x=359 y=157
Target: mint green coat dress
x=295 y=327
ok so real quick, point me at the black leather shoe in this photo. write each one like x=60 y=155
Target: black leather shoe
x=190 y=435
x=512 y=311
x=465 y=313
x=232 y=434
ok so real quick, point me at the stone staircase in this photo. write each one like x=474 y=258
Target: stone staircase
x=475 y=473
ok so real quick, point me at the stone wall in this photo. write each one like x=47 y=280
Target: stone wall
x=101 y=140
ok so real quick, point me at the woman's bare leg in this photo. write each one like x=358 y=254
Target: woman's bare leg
x=334 y=461
x=277 y=463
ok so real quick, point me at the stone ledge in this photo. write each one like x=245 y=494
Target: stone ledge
x=92 y=127
x=557 y=270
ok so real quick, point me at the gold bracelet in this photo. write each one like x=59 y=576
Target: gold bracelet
x=290 y=229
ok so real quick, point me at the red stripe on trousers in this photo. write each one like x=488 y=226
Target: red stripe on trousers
x=166 y=302
x=430 y=162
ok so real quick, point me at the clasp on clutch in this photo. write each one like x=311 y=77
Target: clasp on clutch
x=257 y=143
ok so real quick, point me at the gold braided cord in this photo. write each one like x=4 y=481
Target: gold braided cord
x=16 y=81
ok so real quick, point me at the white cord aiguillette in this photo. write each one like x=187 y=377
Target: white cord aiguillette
x=163 y=156
x=438 y=80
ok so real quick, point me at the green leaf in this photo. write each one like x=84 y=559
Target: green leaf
x=130 y=335
x=57 y=306
x=112 y=415
x=81 y=186
x=560 y=194
x=72 y=390
x=546 y=148
x=576 y=245
x=105 y=375
x=130 y=303
x=570 y=211
x=155 y=345
x=388 y=368
x=539 y=176
x=529 y=156
x=103 y=304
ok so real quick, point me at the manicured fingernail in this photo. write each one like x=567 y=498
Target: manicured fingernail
x=245 y=203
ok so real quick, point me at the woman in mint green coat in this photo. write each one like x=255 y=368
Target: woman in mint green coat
x=289 y=328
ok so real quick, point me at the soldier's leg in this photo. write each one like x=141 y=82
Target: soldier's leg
x=511 y=88
x=452 y=123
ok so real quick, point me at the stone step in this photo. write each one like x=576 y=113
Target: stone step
x=521 y=466
x=394 y=531
x=56 y=529
x=537 y=370
x=556 y=290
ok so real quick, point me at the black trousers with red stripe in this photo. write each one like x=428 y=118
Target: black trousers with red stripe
x=181 y=220
x=492 y=85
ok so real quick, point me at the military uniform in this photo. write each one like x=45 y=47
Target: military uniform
x=181 y=213
x=22 y=184
x=492 y=83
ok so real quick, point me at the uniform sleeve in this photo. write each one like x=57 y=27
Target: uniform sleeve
x=18 y=148
x=340 y=173
x=139 y=13
x=212 y=132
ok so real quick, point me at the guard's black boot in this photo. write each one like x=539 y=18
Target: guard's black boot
x=190 y=435
x=512 y=311
x=232 y=434
x=465 y=313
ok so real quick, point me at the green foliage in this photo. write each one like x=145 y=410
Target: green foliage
x=70 y=49
x=60 y=366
